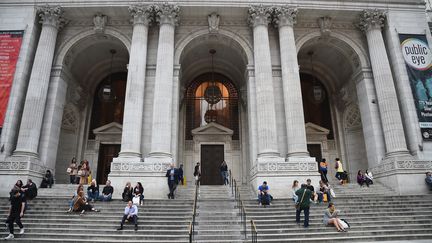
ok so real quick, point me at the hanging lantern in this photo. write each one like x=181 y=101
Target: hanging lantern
x=212 y=94
x=106 y=92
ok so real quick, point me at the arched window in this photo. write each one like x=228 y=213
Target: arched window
x=210 y=100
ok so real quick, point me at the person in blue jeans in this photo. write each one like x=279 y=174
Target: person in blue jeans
x=303 y=204
x=93 y=191
x=264 y=197
x=224 y=172
x=107 y=192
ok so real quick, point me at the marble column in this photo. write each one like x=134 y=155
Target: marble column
x=371 y=22
x=259 y=18
x=134 y=100
x=167 y=17
x=31 y=122
x=285 y=18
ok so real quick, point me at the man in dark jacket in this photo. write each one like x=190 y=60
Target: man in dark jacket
x=304 y=195
x=16 y=212
x=30 y=190
x=173 y=178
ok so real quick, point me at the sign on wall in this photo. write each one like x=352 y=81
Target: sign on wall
x=10 y=44
x=418 y=61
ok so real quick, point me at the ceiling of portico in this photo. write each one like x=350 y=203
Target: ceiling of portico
x=89 y=60
x=333 y=61
x=229 y=59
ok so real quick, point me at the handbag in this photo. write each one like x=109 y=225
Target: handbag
x=332 y=193
x=297 y=205
x=80 y=173
x=136 y=200
x=344 y=223
x=68 y=170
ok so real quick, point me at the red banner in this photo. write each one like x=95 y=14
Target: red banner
x=10 y=44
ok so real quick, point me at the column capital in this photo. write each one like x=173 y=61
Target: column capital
x=141 y=14
x=371 y=19
x=51 y=16
x=285 y=16
x=167 y=13
x=259 y=15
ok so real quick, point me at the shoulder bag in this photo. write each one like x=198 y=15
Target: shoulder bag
x=297 y=205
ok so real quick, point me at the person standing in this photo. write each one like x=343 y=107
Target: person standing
x=224 y=172
x=83 y=174
x=339 y=170
x=172 y=174
x=181 y=177
x=16 y=212
x=130 y=214
x=197 y=173
x=304 y=195
x=323 y=170
x=72 y=170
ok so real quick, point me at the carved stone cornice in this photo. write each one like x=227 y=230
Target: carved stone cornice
x=99 y=23
x=371 y=19
x=167 y=14
x=141 y=14
x=51 y=16
x=285 y=16
x=259 y=15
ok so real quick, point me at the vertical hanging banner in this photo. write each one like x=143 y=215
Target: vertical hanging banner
x=418 y=60
x=10 y=44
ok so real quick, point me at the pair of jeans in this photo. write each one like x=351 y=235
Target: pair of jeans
x=105 y=198
x=93 y=195
x=172 y=186
x=225 y=177
x=72 y=179
x=10 y=221
x=306 y=215
x=321 y=196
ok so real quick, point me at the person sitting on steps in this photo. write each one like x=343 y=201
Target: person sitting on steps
x=127 y=192
x=93 y=191
x=264 y=197
x=81 y=204
x=368 y=176
x=428 y=180
x=107 y=192
x=130 y=214
x=361 y=179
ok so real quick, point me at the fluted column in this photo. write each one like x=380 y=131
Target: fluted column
x=167 y=17
x=285 y=18
x=371 y=22
x=31 y=123
x=134 y=100
x=259 y=18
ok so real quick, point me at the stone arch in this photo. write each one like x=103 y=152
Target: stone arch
x=70 y=43
x=181 y=44
x=356 y=48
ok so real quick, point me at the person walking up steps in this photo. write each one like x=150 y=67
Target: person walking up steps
x=304 y=195
x=16 y=212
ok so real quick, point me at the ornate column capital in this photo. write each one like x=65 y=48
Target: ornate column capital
x=285 y=16
x=167 y=14
x=51 y=16
x=371 y=19
x=259 y=15
x=141 y=14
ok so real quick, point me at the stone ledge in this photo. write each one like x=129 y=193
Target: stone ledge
x=291 y=167
x=137 y=167
x=395 y=166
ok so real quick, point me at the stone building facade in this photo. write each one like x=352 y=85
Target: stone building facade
x=268 y=86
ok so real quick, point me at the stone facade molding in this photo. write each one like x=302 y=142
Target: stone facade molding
x=99 y=23
x=325 y=24
x=292 y=167
x=138 y=167
x=213 y=22
x=395 y=166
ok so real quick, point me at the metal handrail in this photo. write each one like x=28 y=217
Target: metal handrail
x=240 y=206
x=192 y=223
x=254 y=232
x=231 y=182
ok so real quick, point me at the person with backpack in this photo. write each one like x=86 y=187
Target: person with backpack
x=303 y=204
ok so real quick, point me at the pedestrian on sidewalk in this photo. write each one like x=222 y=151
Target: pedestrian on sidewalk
x=16 y=212
x=303 y=204
x=130 y=214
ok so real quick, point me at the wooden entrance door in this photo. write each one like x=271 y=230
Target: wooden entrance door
x=315 y=151
x=106 y=154
x=211 y=158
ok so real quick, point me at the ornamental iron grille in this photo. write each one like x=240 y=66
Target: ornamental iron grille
x=201 y=110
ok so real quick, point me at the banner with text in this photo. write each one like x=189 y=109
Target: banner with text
x=418 y=60
x=10 y=44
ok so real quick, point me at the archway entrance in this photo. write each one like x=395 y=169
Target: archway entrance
x=92 y=117
x=213 y=122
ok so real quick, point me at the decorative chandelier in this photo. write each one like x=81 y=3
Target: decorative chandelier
x=106 y=92
x=212 y=94
x=318 y=92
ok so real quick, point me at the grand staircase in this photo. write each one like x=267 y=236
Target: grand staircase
x=46 y=220
x=375 y=214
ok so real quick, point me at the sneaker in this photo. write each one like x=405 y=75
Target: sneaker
x=9 y=237
x=21 y=231
x=121 y=228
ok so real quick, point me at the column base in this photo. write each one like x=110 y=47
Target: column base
x=131 y=159
x=129 y=154
x=298 y=154
x=15 y=168
x=400 y=154
x=280 y=174
x=404 y=176
x=25 y=153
